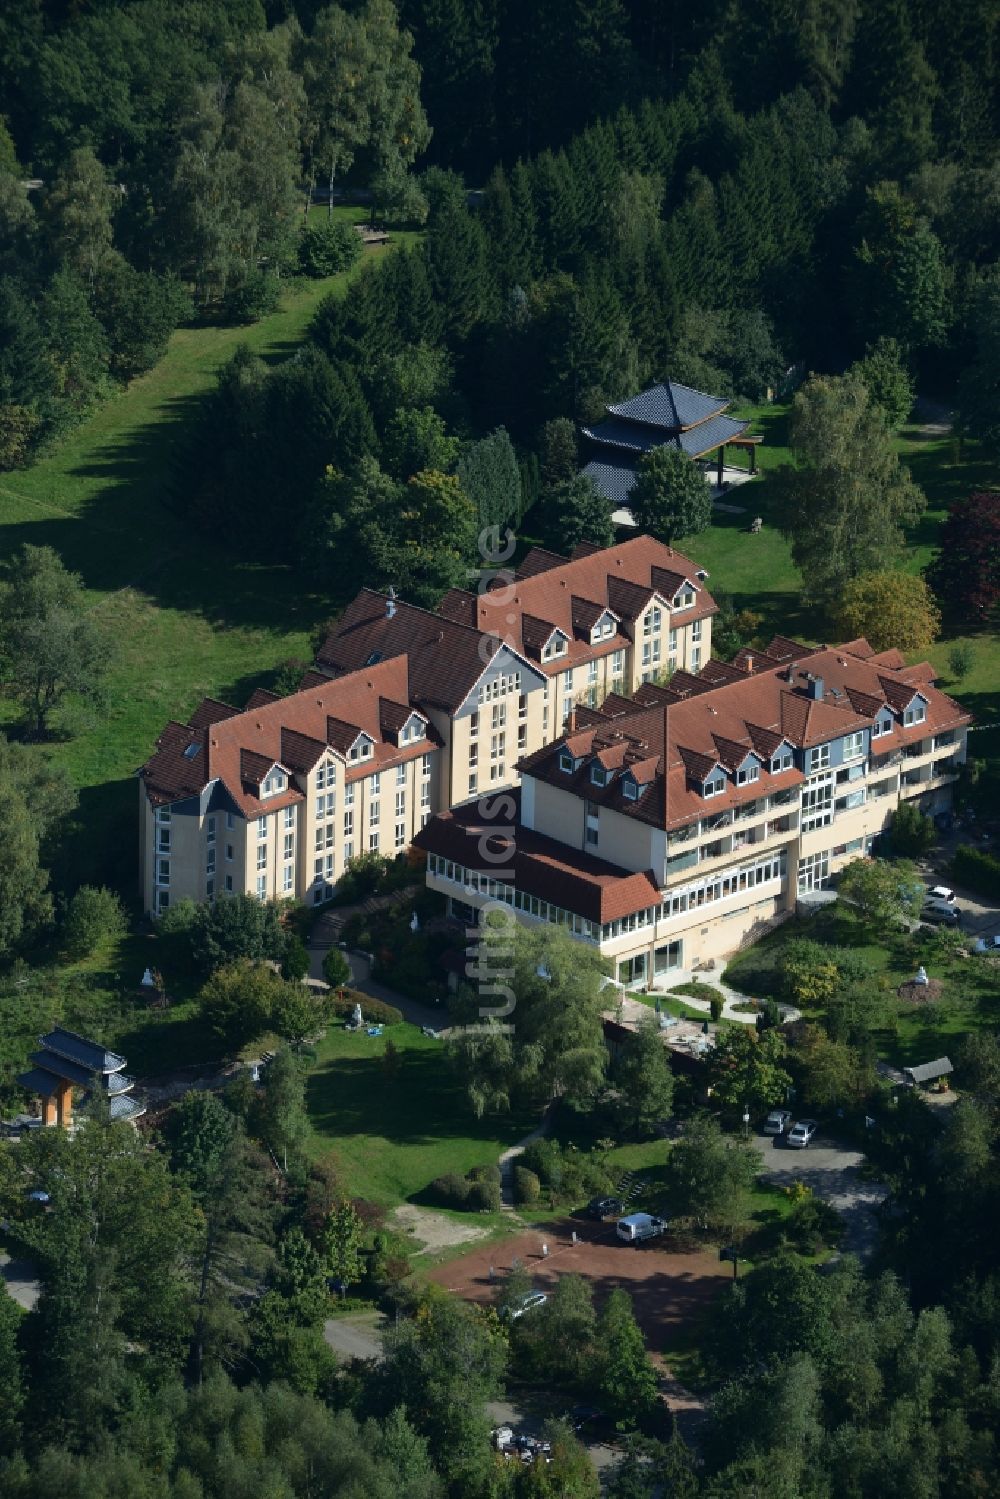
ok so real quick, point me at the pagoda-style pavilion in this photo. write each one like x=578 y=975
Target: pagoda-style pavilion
x=67 y=1061
x=671 y=415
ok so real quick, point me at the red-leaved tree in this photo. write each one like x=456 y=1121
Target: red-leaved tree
x=966 y=573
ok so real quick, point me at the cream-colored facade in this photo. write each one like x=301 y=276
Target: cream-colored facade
x=202 y=846
x=727 y=877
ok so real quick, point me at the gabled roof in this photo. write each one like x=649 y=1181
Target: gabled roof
x=260 y=696
x=72 y=1047
x=290 y=731
x=210 y=711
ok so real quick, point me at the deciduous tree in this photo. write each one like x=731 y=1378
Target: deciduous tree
x=888 y=609
x=965 y=575
x=671 y=498
x=883 y=893
x=575 y=510
x=643 y=1078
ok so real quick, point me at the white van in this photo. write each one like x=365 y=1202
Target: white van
x=639 y=1226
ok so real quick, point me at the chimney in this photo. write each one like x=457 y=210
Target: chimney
x=814 y=688
x=390 y=603
x=571 y=721
x=749 y=665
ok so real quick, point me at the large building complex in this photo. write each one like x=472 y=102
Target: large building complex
x=671 y=826
x=407 y=712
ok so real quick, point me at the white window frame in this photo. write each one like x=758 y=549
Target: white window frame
x=817 y=758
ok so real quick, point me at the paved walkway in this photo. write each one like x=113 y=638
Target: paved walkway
x=509 y=1157
x=326 y=934
x=730 y=999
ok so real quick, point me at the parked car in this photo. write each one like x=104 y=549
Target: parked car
x=941 y=912
x=640 y=1226
x=605 y=1207
x=800 y=1134
x=941 y=892
x=529 y=1302
x=988 y=944
x=777 y=1122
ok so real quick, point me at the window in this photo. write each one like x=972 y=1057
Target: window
x=522 y=736
x=603 y=630
x=400 y=835
x=696 y=658
x=348 y=851
x=210 y=829
x=473 y=756
x=817 y=804
x=163 y=840
x=555 y=646
x=696 y=630
x=230 y=822
x=326 y=775
x=229 y=883
x=473 y=782
x=598 y=774
x=425 y=766
x=618 y=663
x=261 y=827
x=591 y=671
x=915 y=713
x=425 y=796
x=163 y=814
x=881 y=726
x=747 y=774
x=782 y=759
x=473 y=725
x=349 y=796
x=498 y=746
x=289 y=817
x=522 y=705
x=163 y=871
x=262 y=887
x=630 y=790
x=500 y=686
x=162 y=901
x=326 y=804
x=567 y=708
x=373 y=841
x=210 y=861
x=348 y=825
x=592 y=823
x=413 y=729
x=324 y=836
x=289 y=845
x=715 y=787
x=814 y=872
x=288 y=879
x=499 y=715
x=262 y=856
x=274 y=781
x=361 y=749
x=818 y=758
x=374 y=813
x=653 y=621
x=375 y=783
x=684 y=597
x=400 y=803
x=854 y=746
x=400 y=775
x=229 y=853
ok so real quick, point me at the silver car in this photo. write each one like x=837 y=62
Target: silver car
x=800 y=1134
x=777 y=1122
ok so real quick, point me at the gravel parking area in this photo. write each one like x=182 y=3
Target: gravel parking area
x=667 y=1287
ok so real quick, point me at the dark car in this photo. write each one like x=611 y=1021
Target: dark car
x=605 y=1207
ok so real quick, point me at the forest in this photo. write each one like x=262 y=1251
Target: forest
x=749 y=196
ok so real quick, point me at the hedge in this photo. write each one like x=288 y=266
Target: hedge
x=479 y=1191
x=981 y=872
x=375 y=1011
x=527 y=1187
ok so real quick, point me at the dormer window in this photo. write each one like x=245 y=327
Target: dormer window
x=273 y=782
x=714 y=787
x=630 y=790
x=915 y=713
x=412 y=730
x=746 y=774
x=782 y=759
x=881 y=726
x=361 y=749
x=684 y=597
x=598 y=775
x=567 y=764
x=603 y=630
x=556 y=645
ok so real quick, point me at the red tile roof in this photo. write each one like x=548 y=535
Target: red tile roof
x=292 y=731
x=539 y=866
x=722 y=722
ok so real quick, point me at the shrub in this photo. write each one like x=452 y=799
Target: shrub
x=812 y=1224
x=361 y=878
x=375 y=1011
x=327 y=246
x=979 y=871
x=961 y=660
x=485 y=1195
x=94 y=917
x=336 y=969
x=527 y=1187
x=544 y=1157
x=295 y=963
x=911 y=832
x=451 y=1191
x=252 y=298
x=715 y=1005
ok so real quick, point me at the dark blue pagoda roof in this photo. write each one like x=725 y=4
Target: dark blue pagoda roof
x=71 y=1072
x=614 y=476
x=628 y=437
x=670 y=406
x=87 y=1054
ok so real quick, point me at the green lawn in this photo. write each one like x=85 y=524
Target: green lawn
x=191 y=620
x=391 y=1136
x=970 y=997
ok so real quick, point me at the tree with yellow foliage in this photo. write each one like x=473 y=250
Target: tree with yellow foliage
x=888 y=609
